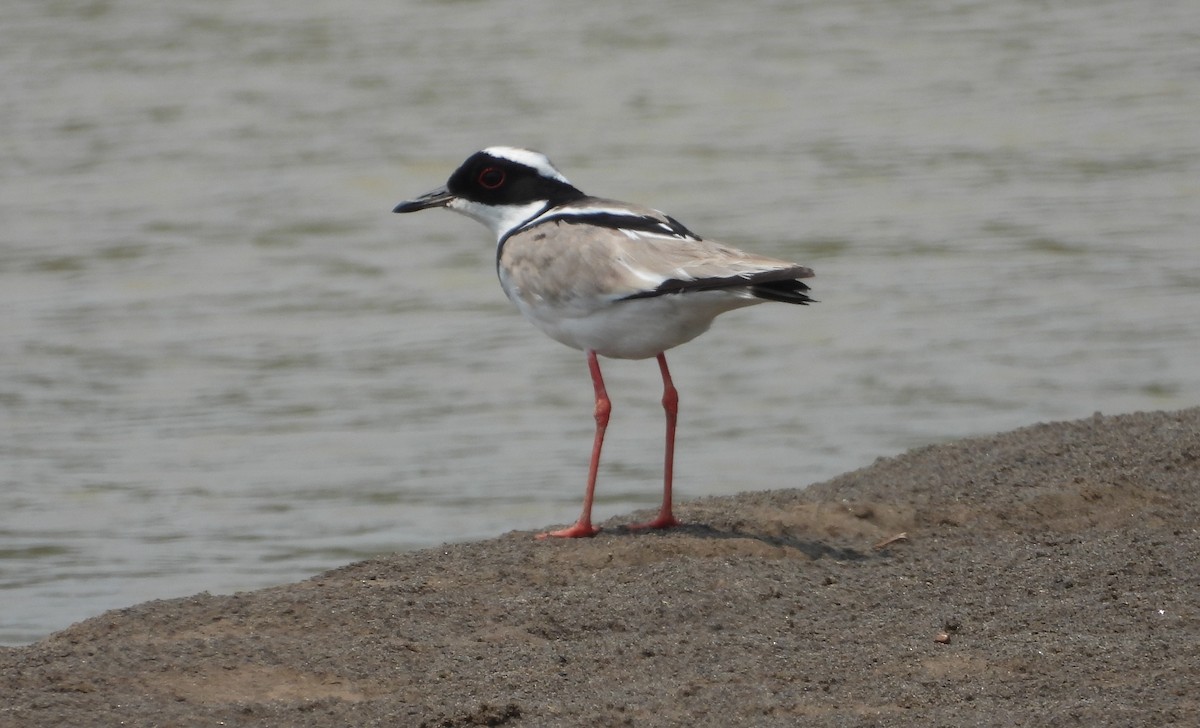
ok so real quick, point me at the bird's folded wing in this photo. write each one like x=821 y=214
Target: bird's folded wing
x=558 y=259
x=668 y=265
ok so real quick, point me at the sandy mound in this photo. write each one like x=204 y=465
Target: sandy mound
x=1047 y=576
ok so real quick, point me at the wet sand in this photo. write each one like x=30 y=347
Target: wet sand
x=1043 y=577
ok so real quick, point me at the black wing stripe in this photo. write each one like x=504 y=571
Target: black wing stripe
x=618 y=221
x=766 y=285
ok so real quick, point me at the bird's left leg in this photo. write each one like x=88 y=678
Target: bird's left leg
x=670 y=403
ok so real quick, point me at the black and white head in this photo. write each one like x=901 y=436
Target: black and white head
x=501 y=187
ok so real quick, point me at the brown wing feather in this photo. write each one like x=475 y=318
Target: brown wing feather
x=556 y=261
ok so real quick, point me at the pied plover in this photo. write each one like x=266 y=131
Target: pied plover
x=606 y=277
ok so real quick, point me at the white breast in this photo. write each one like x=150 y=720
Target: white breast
x=637 y=328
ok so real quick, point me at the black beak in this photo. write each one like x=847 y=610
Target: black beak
x=435 y=198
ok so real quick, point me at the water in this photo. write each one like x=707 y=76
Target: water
x=224 y=364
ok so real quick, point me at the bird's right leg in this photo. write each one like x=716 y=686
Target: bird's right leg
x=583 y=527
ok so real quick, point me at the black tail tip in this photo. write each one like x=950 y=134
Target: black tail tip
x=790 y=291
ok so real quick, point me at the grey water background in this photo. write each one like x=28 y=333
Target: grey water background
x=225 y=364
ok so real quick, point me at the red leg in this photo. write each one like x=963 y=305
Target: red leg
x=670 y=402
x=583 y=527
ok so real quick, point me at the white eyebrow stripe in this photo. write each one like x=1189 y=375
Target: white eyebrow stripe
x=529 y=158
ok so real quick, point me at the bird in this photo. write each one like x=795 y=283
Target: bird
x=608 y=278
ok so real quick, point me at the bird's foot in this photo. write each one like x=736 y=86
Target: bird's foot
x=664 y=520
x=581 y=529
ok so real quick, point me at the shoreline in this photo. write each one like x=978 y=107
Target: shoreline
x=1043 y=576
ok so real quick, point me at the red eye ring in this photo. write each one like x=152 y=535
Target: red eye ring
x=491 y=178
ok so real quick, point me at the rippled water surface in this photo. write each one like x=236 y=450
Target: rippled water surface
x=224 y=364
